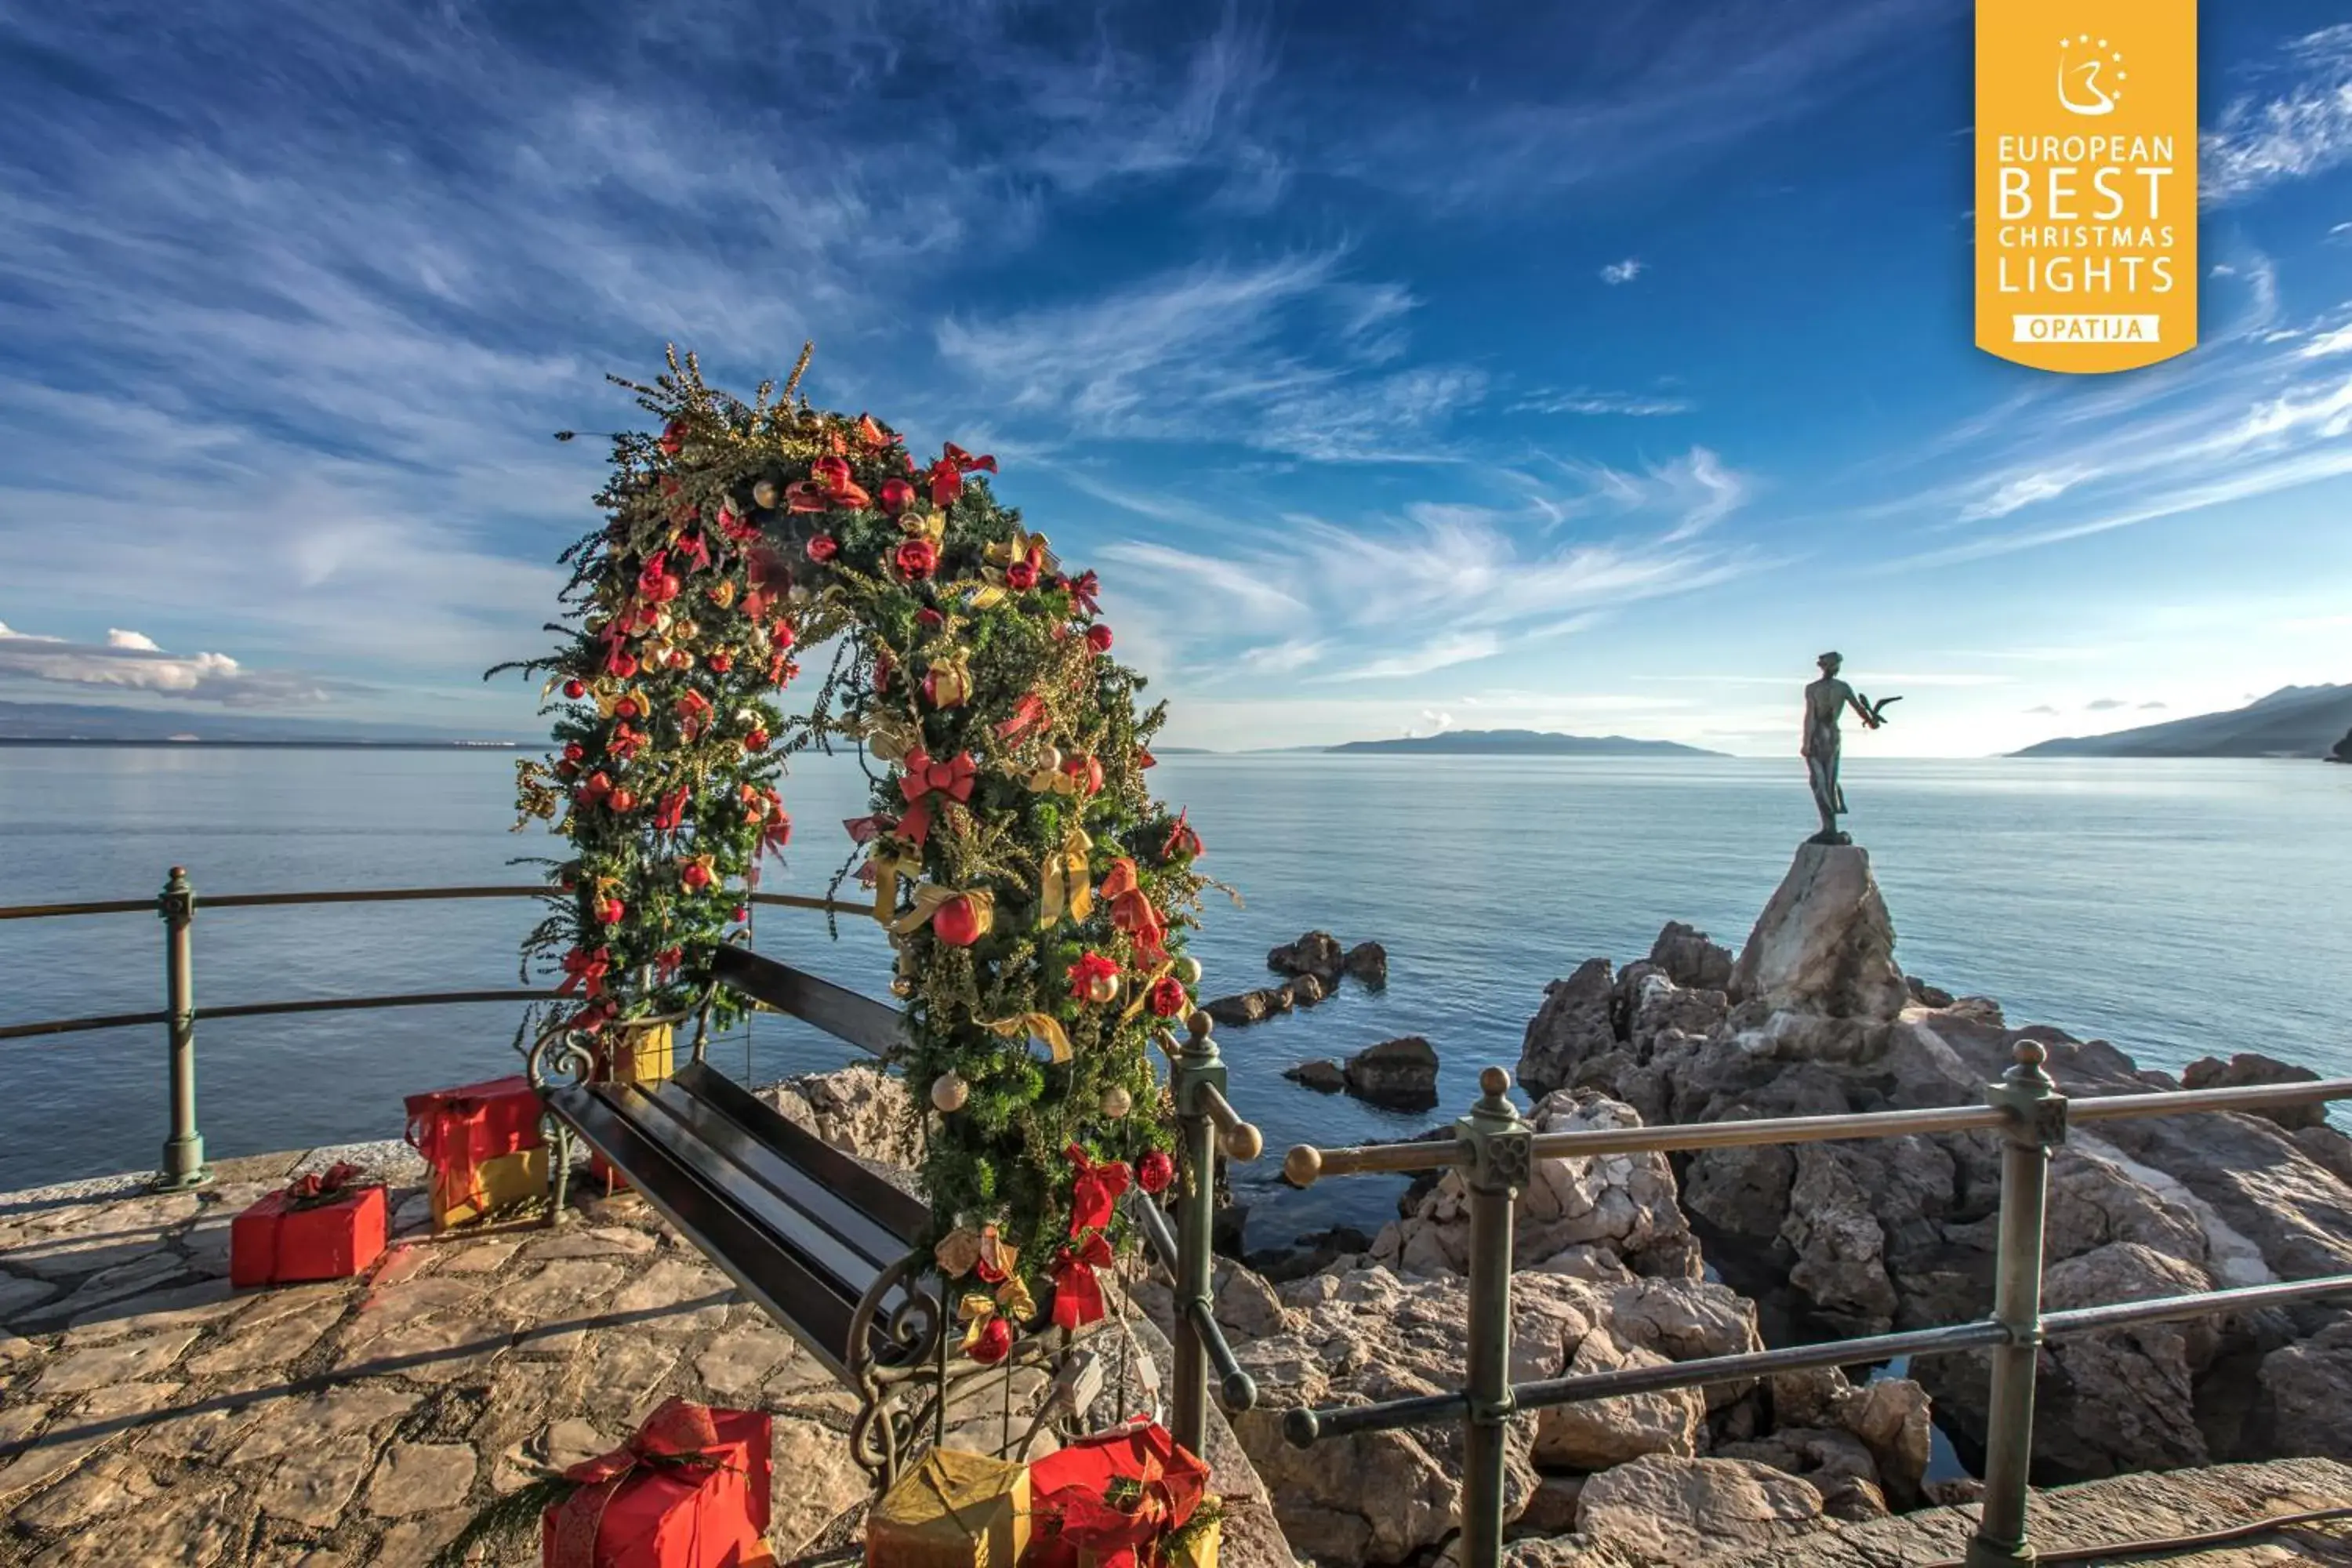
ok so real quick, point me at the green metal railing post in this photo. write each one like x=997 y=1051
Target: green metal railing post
x=2035 y=1125
x=1192 y=1068
x=184 y=1151
x=1501 y=1154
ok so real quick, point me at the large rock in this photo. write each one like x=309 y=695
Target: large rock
x=855 y=1108
x=1600 y=1433
x=1575 y=1024
x=1401 y=1074
x=1682 y=1510
x=1322 y=1075
x=1690 y=959
x=1369 y=962
x=2249 y=1068
x=1824 y=944
x=1620 y=1206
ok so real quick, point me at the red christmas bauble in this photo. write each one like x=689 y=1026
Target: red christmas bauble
x=624 y=665
x=741 y=914
x=916 y=559
x=1154 y=1171
x=784 y=635
x=1099 y=638
x=624 y=800
x=823 y=548
x=574 y=689
x=720 y=662
x=957 y=922
x=573 y=751
x=610 y=912
x=756 y=741
x=1021 y=575
x=1168 y=998
x=627 y=707
x=695 y=875
x=994 y=1344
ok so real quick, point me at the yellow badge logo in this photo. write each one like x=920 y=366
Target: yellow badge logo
x=2086 y=182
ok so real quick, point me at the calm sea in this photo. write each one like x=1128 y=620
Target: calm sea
x=2175 y=908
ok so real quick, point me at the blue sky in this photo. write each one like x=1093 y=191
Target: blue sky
x=1566 y=367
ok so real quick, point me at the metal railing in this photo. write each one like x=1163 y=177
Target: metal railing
x=183 y=1164
x=1496 y=1149
x=1206 y=1121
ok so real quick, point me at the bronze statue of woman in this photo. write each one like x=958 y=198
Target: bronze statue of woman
x=1826 y=701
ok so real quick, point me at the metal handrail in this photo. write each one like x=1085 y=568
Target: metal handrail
x=1496 y=1148
x=184 y=1150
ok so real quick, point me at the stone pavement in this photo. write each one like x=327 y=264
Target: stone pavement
x=151 y=1415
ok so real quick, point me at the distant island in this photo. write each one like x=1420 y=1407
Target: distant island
x=1524 y=743
x=2292 y=721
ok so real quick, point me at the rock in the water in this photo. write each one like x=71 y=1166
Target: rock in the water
x=1305 y=989
x=1322 y=1075
x=1401 y=1074
x=2253 y=1068
x=1248 y=1006
x=1574 y=1024
x=1369 y=962
x=1681 y=1510
x=1824 y=944
x=1317 y=954
x=1690 y=959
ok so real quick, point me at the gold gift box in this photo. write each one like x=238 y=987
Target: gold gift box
x=951 y=1510
x=501 y=1180
x=642 y=1054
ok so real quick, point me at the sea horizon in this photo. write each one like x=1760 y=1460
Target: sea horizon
x=2054 y=886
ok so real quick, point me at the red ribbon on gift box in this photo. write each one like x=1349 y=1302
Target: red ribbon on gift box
x=456 y=1130
x=1074 y=1487
x=684 y=1442
x=313 y=1188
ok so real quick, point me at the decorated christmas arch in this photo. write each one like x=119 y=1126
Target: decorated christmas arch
x=1036 y=893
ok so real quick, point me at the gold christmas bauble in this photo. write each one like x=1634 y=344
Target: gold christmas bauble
x=902 y=987
x=766 y=493
x=1103 y=990
x=1050 y=759
x=948 y=1092
x=1116 y=1102
x=1187 y=970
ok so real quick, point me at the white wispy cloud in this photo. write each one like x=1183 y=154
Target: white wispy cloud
x=131 y=661
x=2298 y=125
x=1587 y=400
x=1623 y=271
x=2011 y=495
x=1438 y=653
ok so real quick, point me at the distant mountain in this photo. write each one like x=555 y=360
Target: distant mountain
x=94 y=724
x=2292 y=721
x=1524 y=743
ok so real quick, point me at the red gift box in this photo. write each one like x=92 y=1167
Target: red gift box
x=1067 y=1491
x=319 y=1228
x=458 y=1128
x=690 y=1491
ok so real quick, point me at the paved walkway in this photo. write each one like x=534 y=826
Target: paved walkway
x=151 y=1415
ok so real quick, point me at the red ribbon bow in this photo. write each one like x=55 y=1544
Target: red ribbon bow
x=322 y=1187
x=1133 y=912
x=1078 y=1294
x=1181 y=839
x=584 y=972
x=1170 y=1481
x=1027 y=714
x=1083 y=589
x=925 y=777
x=1096 y=1189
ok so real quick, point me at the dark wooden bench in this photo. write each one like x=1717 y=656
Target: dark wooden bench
x=827 y=1246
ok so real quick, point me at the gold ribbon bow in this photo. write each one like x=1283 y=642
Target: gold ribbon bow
x=890 y=863
x=1012 y=1300
x=889 y=738
x=947 y=683
x=1021 y=546
x=1067 y=889
x=1044 y=1026
x=931 y=899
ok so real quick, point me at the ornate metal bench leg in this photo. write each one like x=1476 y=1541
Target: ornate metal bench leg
x=558 y=1208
